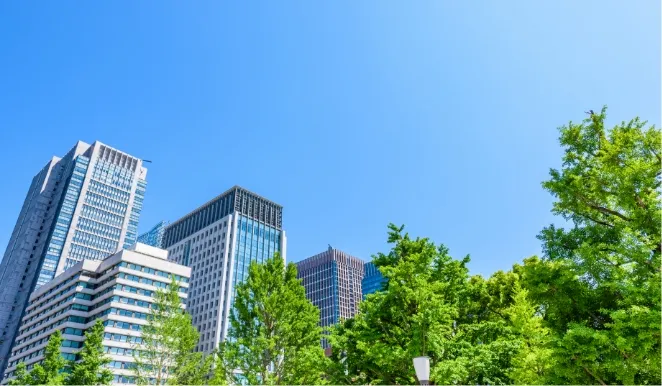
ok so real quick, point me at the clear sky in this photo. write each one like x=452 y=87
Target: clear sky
x=440 y=115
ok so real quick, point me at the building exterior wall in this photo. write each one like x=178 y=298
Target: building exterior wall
x=118 y=290
x=373 y=280
x=218 y=241
x=332 y=280
x=85 y=205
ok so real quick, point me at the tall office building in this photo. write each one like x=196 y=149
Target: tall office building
x=332 y=280
x=154 y=236
x=85 y=205
x=118 y=290
x=218 y=241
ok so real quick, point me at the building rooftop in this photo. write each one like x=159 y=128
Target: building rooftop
x=227 y=192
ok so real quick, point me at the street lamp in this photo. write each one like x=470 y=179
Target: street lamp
x=422 y=367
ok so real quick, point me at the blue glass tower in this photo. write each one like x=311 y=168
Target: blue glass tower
x=154 y=236
x=373 y=280
x=85 y=205
x=218 y=241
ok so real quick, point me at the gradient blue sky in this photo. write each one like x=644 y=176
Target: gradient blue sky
x=440 y=115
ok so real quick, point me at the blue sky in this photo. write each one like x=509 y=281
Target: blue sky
x=440 y=115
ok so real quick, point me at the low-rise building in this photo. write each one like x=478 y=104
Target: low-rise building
x=118 y=290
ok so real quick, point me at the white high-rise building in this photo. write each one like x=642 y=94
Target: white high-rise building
x=118 y=290
x=218 y=241
x=83 y=206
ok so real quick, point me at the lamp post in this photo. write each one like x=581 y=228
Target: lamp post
x=422 y=367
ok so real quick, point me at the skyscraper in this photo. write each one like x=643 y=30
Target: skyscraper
x=85 y=205
x=154 y=236
x=218 y=241
x=373 y=280
x=333 y=283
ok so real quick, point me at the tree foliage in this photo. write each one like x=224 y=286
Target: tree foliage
x=274 y=336
x=587 y=312
x=21 y=376
x=598 y=284
x=49 y=371
x=429 y=306
x=168 y=339
x=90 y=367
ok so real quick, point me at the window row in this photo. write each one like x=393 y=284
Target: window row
x=109 y=191
x=106 y=203
x=95 y=241
x=98 y=228
x=152 y=271
x=144 y=280
x=102 y=215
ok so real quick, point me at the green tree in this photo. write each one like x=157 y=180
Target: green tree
x=598 y=283
x=194 y=368
x=50 y=370
x=429 y=306
x=168 y=339
x=90 y=368
x=274 y=336
x=532 y=362
x=21 y=376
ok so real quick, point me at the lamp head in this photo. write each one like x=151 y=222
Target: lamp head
x=422 y=367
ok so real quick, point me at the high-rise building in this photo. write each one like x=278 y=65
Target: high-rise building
x=332 y=280
x=118 y=290
x=373 y=280
x=154 y=236
x=85 y=205
x=218 y=241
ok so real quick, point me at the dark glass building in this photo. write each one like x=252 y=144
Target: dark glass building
x=373 y=280
x=154 y=236
x=332 y=280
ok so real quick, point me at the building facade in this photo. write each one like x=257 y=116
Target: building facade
x=118 y=290
x=373 y=280
x=154 y=236
x=332 y=280
x=218 y=241
x=85 y=205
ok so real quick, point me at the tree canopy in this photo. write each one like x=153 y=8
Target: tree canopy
x=49 y=371
x=168 y=340
x=586 y=312
x=274 y=336
x=598 y=283
x=90 y=368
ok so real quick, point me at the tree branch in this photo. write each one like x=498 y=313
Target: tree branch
x=599 y=222
x=602 y=209
x=591 y=374
x=607 y=211
x=656 y=155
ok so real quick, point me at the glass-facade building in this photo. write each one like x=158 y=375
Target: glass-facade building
x=118 y=290
x=154 y=236
x=373 y=280
x=83 y=206
x=332 y=280
x=218 y=241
